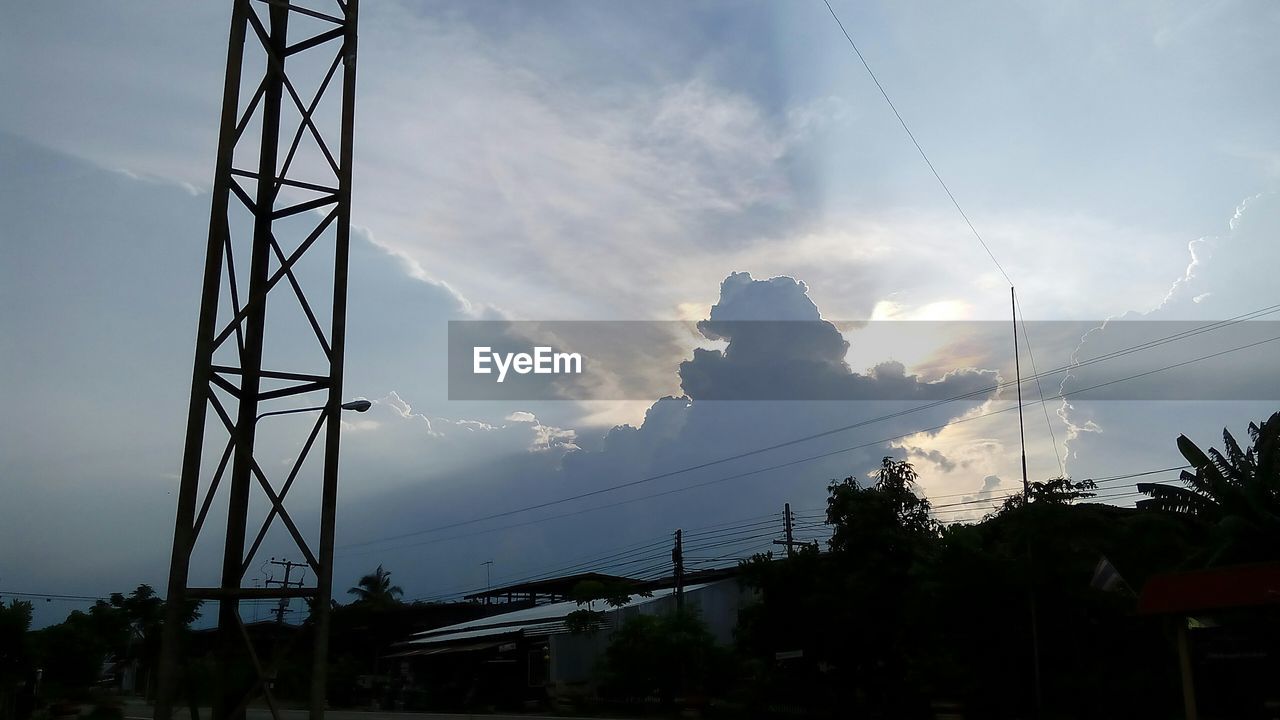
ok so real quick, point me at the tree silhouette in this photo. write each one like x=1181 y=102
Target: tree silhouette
x=665 y=655
x=613 y=594
x=888 y=516
x=15 y=621
x=376 y=589
x=881 y=535
x=1056 y=491
x=1235 y=492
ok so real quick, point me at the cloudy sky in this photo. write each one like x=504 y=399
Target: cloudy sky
x=671 y=161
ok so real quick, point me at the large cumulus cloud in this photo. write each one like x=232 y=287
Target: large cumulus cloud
x=780 y=348
x=771 y=330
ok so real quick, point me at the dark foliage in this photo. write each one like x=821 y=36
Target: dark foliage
x=903 y=614
x=1233 y=492
x=588 y=619
x=663 y=657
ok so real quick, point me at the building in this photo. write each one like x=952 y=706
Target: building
x=530 y=656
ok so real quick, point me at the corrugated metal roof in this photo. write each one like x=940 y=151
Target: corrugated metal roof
x=541 y=620
x=477 y=633
x=423 y=651
x=555 y=627
x=561 y=586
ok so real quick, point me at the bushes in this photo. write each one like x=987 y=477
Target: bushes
x=663 y=656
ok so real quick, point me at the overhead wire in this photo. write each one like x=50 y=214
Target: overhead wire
x=790 y=463
x=1019 y=317
x=626 y=555
x=1035 y=373
x=915 y=142
x=600 y=562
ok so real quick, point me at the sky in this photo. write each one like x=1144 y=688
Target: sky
x=667 y=161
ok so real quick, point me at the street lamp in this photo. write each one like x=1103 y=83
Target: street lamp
x=356 y=405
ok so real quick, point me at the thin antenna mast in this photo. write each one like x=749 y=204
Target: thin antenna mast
x=1017 y=369
x=1026 y=500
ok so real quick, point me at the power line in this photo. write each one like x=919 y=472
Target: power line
x=944 y=508
x=700 y=533
x=740 y=555
x=54 y=596
x=748 y=527
x=1005 y=496
x=919 y=149
x=583 y=563
x=733 y=541
x=744 y=530
x=614 y=567
x=901 y=121
x=936 y=403
x=752 y=529
x=772 y=467
x=707 y=532
x=1140 y=474
x=1053 y=437
x=710 y=532
x=963 y=506
x=641 y=547
x=1108 y=478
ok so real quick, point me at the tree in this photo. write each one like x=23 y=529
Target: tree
x=1096 y=658
x=1235 y=492
x=1057 y=491
x=15 y=621
x=126 y=627
x=902 y=612
x=16 y=671
x=664 y=655
x=613 y=594
x=850 y=614
x=71 y=653
x=799 y=611
x=887 y=518
x=375 y=589
x=141 y=614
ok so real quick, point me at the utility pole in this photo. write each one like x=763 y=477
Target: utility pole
x=1017 y=370
x=488 y=583
x=257 y=583
x=281 y=192
x=677 y=560
x=1026 y=501
x=790 y=542
x=283 y=606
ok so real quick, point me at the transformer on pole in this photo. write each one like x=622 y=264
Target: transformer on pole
x=280 y=194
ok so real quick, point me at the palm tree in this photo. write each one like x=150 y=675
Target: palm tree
x=1236 y=492
x=376 y=589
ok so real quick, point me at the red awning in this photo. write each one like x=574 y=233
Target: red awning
x=1235 y=586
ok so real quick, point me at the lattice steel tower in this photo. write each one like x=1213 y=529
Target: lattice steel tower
x=282 y=200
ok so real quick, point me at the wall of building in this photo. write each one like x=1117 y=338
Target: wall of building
x=717 y=604
x=574 y=657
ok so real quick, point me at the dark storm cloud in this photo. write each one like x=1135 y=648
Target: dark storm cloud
x=780 y=348
x=934 y=456
x=677 y=433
